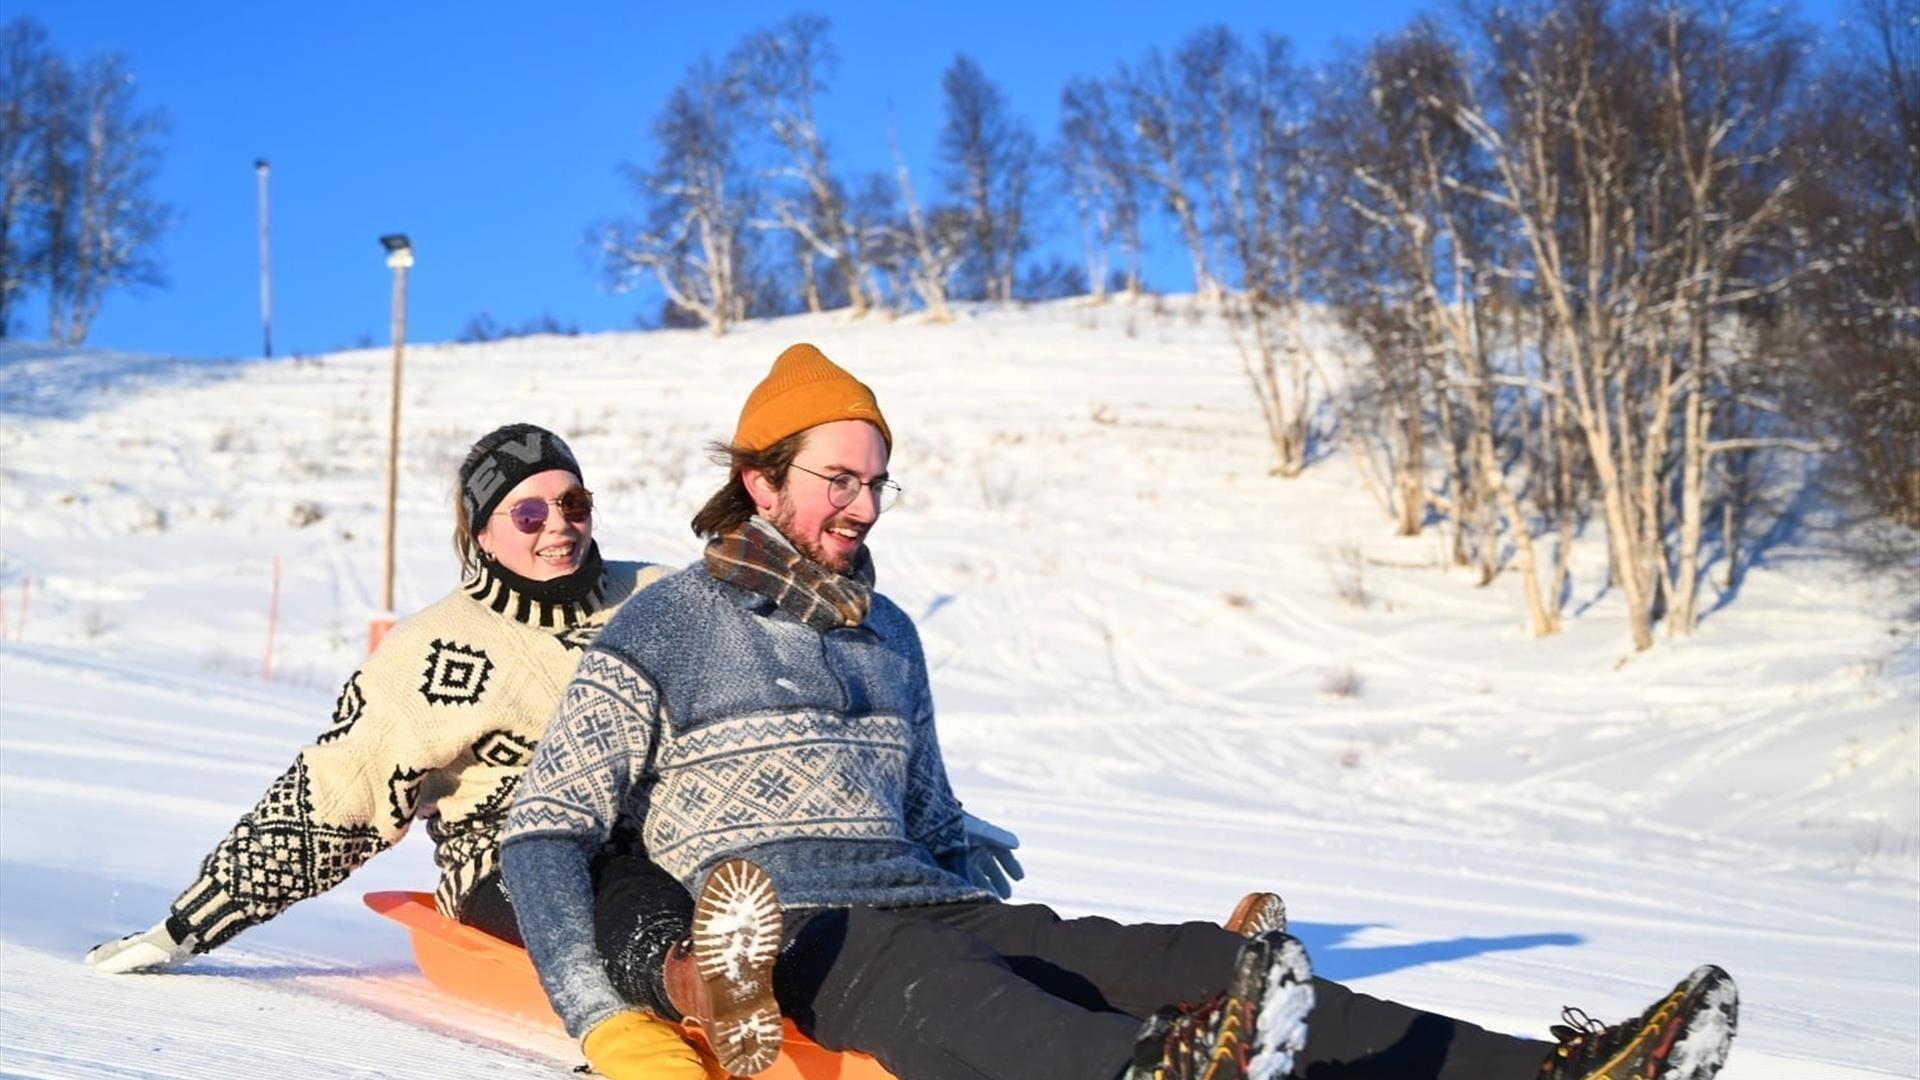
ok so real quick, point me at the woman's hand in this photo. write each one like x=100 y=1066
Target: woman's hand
x=149 y=950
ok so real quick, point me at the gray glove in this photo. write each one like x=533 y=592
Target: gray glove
x=990 y=860
x=148 y=950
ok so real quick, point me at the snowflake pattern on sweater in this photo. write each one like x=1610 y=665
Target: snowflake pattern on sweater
x=728 y=726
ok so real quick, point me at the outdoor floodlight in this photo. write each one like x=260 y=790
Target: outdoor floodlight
x=399 y=250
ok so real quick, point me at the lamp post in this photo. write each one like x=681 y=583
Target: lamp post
x=261 y=169
x=399 y=258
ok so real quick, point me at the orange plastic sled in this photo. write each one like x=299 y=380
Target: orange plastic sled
x=488 y=972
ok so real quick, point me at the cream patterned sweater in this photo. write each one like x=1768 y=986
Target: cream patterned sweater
x=439 y=724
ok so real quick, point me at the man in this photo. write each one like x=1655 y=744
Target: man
x=766 y=717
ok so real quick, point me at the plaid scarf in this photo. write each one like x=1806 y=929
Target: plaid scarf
x=755 y=557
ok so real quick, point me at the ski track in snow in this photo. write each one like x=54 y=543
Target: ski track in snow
x=252 y=1023
x=1131 y=630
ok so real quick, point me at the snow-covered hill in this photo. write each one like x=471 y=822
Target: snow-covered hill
x=1177 y=677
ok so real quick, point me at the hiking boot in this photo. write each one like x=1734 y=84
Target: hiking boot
x=1683 y=1036
x=686 y=992
x=1257 y=913
x=736 y=937
x=1249 y=1031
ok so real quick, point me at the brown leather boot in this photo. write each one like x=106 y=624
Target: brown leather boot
x=686 y=992
x=1257 y=913
x=737 y=927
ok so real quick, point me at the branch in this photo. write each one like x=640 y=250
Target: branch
x=1494 y=197
x=1524 y=383
x=1803 y=446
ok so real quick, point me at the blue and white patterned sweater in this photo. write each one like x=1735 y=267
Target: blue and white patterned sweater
x=729 y=728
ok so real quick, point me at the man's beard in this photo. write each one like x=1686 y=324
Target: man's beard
x=783 y=520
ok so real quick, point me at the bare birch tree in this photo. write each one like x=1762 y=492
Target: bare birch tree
x=1246 y=110
x=987 y=157
x=1636 y=153
x=1383 y=404
x=1722 y=102
x=1162 y=142
x=927 y=247
x=27 y=65
x=1092 y=154
x=109 y=222
x=698 y=200
x=1856 y=312
x=78 y=159
x=782 y=71
x=1438 y=279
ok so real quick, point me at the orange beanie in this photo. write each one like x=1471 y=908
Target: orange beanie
x=804 y=389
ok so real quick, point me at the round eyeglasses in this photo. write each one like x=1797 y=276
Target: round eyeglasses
x=843 y=488
x=530 y=515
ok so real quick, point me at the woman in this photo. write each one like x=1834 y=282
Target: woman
x=439 y=724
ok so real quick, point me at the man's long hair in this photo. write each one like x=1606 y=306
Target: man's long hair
x=731 y=506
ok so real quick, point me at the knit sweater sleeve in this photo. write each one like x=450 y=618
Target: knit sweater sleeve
x=933 y=815
x=347 y=796
x=569 y=799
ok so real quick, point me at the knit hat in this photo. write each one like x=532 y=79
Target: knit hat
x=501 y=459
x=804 y=389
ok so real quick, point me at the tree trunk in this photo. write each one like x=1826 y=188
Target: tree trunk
x=809 y=280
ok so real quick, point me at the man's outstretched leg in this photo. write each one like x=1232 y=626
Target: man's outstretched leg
x=1683 y=1036
x=934 y=1002
x=1352 y=1036
x=1251 y=1030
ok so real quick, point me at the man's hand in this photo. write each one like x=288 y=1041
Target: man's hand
x=633 y=1045
x=990 y=860
x=149 y=950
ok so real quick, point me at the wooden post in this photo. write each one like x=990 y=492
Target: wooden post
x=400 y=258
x=393 y=429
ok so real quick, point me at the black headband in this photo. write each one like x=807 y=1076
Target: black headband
x=504 y=457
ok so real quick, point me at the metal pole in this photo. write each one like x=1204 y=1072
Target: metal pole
x=261 y=169
x=393 y=420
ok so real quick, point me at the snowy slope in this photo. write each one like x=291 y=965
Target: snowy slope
x=1139 y=646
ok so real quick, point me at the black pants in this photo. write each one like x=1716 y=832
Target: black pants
x=1014 y=991
x=639 y=911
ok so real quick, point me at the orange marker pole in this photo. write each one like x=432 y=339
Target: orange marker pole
x=377 y=631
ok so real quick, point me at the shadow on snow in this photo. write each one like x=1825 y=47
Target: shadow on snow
x=1334 y=958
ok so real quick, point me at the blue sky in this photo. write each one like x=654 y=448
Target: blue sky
x=491 y=133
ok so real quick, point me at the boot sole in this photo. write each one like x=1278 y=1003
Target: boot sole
x=736 y=938
x=1280 y=1027
x=1709 y=1015
x=1258 y=913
